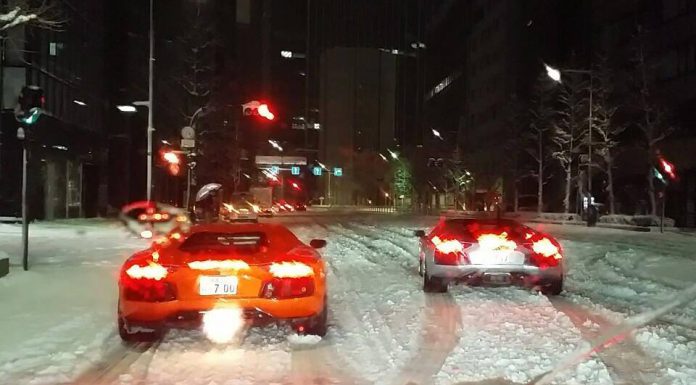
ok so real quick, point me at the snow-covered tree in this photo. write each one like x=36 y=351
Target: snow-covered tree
x=569 y=126
x=604 y=125
x=541 y=116
x=44 y=15
x=654 y=120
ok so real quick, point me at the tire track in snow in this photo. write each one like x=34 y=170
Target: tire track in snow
x=627 y=362
x=116 y=362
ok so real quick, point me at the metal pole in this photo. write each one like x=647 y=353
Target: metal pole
x=25 y=211
x=151 y=106
x=307 y=46
x=188 y=187
x=329 y=189
x=589 y=146
x=662 y=216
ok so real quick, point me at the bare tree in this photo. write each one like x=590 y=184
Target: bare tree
x=46 y=15
x=567 y=130
x=541 y=115
x=654 y=123
x=605 y=127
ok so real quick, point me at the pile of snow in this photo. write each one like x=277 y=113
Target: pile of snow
x=570 y=217
x=635 y=220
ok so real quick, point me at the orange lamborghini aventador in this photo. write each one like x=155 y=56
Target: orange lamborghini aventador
x=259 y=271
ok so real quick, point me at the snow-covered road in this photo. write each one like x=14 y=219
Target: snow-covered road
x=57 y=323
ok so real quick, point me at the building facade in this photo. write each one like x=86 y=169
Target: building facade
x=66 y=156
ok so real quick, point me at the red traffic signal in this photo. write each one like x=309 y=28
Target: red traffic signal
x=295 y=186
x=265 y=112
x=668 y=168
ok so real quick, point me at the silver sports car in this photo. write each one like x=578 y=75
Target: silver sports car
x=489 y=252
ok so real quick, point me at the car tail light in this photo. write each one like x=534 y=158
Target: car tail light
x=448 y=252
x=284 y=288
x=147 y=283
x=546 y=252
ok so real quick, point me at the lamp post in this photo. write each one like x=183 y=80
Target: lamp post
x=555 y=75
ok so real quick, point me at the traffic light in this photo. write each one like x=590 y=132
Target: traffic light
x=172 y=160
x=667 y=168
x=256 y=108
x=30 y=102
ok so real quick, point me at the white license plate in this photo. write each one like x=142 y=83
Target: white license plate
x=217 y=285
x=496 y=257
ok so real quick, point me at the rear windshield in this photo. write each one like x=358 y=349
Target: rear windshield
x=279 y=239
x=471 y=228
x=234 y=241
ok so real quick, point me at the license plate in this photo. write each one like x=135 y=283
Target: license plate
x=496 y=257
x=497 y=279
x=217 y=285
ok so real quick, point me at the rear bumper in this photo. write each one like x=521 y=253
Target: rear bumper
x=190 y=319
x=523 y=275
x=188 y=313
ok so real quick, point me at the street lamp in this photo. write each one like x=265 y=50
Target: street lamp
x=384 y=158
x=437 y=134
x=393 y=154
x=127 y=108
x=555 y=75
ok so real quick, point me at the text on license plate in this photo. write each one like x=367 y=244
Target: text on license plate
x=217 y=285
x=496 y=257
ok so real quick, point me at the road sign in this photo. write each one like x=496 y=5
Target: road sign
x=295 y=170
x=188 y=143
x=316 y=170
x=188 y=132
x=338 y=171
x=275 y=170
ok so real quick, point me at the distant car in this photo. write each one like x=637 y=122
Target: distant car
x=266 y=212
x=300 y=207
x=489 y=252
x=146 y=219
x=239 y=209
x=262 y=271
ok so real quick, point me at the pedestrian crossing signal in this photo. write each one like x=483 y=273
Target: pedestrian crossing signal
x=295 y=170
x=316 y=170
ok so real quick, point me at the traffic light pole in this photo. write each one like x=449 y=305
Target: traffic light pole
x=150 y=128
x=25 y=208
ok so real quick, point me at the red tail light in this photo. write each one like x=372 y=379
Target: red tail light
x=448 y=252
x=546 y=252
x=283 y=288
x=146 y=283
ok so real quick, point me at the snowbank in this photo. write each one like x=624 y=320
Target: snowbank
x=635 y=220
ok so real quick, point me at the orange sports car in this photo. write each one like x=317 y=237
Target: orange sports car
x=218 y=276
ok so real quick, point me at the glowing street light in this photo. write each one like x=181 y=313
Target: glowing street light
x=383 y=157
x=437 y=134
x=393 y=154
x=127 y=108
x=553 y=73
x=275 y=145
x=171 y=157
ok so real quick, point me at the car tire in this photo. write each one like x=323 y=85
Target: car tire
x=134 y=338
x=553 y=287
x=318 y=325
x=433 y=284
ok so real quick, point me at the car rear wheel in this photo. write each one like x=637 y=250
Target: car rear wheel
x=318 y=325
x=433 y=284
x=140 y=336
x=552 y=287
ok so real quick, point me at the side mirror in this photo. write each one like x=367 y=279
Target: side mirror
x=317 y=243
x=419 y=233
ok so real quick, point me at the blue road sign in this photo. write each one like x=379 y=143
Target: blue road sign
x=316 y=170
x=275 y=169
x=338 y=171
x=295 y=170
